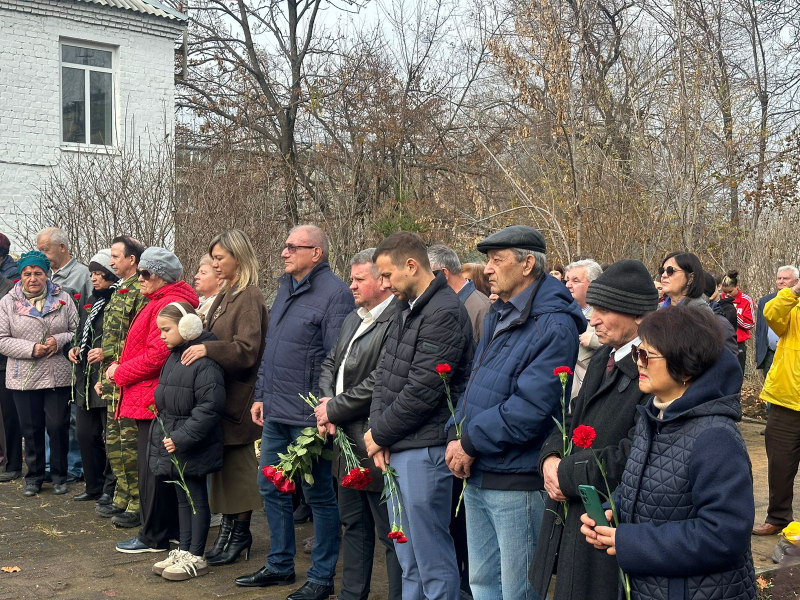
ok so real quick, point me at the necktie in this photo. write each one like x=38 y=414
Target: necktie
x=610 y=364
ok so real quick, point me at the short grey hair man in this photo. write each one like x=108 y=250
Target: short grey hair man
x=316 y=236
x=442 y=257
x=593 y=269
x=791 y=268
x=365 y=258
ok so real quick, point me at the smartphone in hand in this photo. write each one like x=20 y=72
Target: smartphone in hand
x=593 y=504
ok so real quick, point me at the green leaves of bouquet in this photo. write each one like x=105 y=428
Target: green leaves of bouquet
x=303 y=453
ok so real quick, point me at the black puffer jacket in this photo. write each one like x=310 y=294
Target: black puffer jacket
x=409 y=407
x=190 y=402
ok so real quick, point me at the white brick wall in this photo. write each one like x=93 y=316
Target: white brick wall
x=30 y=120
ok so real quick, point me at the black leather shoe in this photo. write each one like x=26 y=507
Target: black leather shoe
x=107 y=511
x=85 y=497
x=312 y=591
x=10 y=476
x=60 y=489
x=264 y=577
x=104 y=500
x=31 y=490
x=73 y=478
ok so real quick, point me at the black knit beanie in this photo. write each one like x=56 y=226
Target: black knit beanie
x=624 y=287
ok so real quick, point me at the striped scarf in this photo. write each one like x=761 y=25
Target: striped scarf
x=97 y=308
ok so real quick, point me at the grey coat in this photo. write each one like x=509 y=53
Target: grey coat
x=350 y=409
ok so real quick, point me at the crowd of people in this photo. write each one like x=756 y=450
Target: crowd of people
x=568 y=383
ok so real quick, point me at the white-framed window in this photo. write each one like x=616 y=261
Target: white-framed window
x=87 y=94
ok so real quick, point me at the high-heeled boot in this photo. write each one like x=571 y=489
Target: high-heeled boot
x=224 y=534
x=240 y=541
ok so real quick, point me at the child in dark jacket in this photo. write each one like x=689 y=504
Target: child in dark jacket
x=189 y=401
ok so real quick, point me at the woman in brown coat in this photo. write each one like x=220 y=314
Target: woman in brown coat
x=238 y=318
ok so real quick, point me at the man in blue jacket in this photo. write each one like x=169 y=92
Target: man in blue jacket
x=508 y=408
x=304 y=323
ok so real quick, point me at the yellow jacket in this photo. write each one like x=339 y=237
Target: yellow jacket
x=783 y=380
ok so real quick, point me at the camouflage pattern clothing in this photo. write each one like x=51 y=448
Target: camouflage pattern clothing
x=122 y=433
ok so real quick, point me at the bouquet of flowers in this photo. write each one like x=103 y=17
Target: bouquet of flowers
x=390 y=493
x=357 y=477
x=298 y=460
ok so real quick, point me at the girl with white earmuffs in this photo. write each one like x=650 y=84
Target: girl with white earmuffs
x=189 y=402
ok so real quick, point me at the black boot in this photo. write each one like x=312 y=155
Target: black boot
x=240 y=540
x=224 y=535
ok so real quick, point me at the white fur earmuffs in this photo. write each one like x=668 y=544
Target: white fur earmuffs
x=190 y=326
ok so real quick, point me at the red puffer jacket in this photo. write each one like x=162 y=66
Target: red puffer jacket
x=144 y=353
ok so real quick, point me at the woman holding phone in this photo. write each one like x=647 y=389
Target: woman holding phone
x=685 y=503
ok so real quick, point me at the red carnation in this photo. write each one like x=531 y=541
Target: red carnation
x=15 y=281
x=87 y=307
x=443 y=368
x=357 y=479
x=395 y=534
x=402 y=540
x=123 y=291
x=583 y=436
x=62 y=302
x=76 y=296
x=559 y=370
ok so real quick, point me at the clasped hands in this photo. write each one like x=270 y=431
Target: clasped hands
x=46 y=350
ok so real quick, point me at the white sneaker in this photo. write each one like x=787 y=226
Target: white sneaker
x=185 y=567
x=172 y=557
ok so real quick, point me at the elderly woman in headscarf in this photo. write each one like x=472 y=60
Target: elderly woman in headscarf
x=37 y=321
x=87 y=356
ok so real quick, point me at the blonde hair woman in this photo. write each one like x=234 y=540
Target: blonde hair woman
x=238 y=317
x=207 y=284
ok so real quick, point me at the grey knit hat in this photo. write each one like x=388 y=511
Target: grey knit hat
x=161 y=262
x=624 y=287
x=102 y=262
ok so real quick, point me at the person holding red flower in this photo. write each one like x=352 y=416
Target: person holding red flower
x=685 y=499
x=346 y=383
x=608 y=401
x=508 y=408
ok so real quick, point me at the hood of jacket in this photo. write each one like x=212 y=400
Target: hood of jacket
x=715 y=392
x=179 y=288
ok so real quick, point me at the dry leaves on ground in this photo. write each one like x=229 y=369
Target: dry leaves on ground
x=14 y=569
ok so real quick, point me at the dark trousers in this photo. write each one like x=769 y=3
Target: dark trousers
x=458 y=530
x=158 y=502
x=742 y=355
x=41 y=410
x=193 y=526
x=782 y=439
x=361 y=515
x=11 y=428
x=90 y=425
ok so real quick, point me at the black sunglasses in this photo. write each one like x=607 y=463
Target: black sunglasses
x=670 y=271
x=144 y=274
x=639 y=355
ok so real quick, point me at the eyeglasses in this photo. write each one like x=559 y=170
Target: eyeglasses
x=292 y=248
x=639 y=355
x=144 y=274
x=670 y=271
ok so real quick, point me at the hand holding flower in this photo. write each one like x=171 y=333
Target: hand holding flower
x=458 y=461
x=52 y=346
x=169 y=445
x=321 y=412
x=381 y=459
x=372 y=447
x=39 y=351
x=550 y=473
x=94 y=356
x=110 y=372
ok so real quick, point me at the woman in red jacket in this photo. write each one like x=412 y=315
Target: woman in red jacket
x=137 y=372
x=745 y=312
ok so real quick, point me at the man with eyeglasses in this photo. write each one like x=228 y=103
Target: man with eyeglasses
x=304 y=322
x=579 y=275
x=121 y=433
x=608 y=401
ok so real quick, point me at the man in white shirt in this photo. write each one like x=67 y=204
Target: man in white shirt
x=346 y=382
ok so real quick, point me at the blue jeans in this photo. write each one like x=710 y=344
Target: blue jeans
x=428 y=559
x=321 y=497
x=502 y=529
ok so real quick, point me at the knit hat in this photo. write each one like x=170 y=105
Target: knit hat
x=34 y=258
x=624 y=287
x=161 y=262
x=102 y=262
x=516 y=236
x=5 y=244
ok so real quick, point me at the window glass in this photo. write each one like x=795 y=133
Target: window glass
x=86 y=56
x=73 y=105
x=100 y=94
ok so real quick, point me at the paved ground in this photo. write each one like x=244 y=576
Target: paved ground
x=64 y=551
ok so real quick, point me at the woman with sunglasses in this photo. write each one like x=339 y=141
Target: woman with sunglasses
x=682 y=280
x=685 y=502
x=136 y=373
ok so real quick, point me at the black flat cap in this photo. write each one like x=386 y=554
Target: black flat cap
x=516 y=236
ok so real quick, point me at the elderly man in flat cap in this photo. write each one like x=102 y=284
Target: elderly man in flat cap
x=508 y=410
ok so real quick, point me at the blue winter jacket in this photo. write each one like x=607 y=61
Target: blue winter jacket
x=512 y=394
x=686 y=498
x=303 y=327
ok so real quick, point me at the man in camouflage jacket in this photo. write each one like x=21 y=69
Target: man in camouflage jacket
x=121 y=433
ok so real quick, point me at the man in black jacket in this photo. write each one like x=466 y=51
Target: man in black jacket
x=608 y=401
x=409 y=410
x=347 y=381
